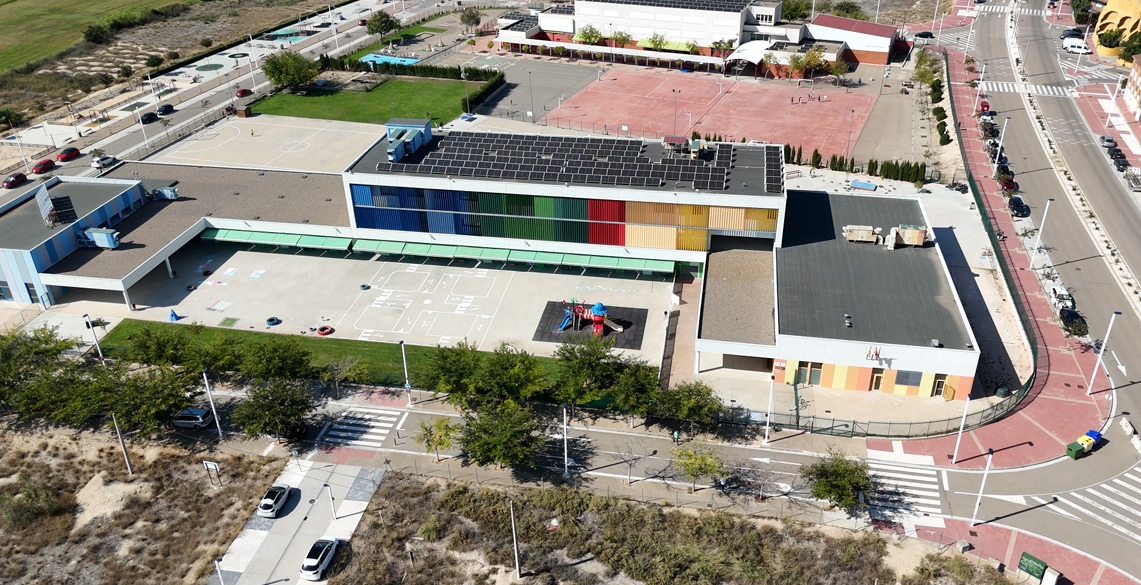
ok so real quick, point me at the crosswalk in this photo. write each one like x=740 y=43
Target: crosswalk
x=362 y=426
x=907 y=491
x=1115 y=504
x=1033 y=89
x=998 y=8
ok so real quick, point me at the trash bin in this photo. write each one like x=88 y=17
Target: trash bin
x=1086 y=442
x=1002 y=392
x=1096 y=436
x=1074 y=450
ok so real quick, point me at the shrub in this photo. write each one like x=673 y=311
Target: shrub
x=154 y=61
x=944 y=139
x=941 y=127
x=1111 y=39
x=940 y=113
x=97 y=34
x=125 y=71
x=172 y=55
x=206 y=43
x=816 y=158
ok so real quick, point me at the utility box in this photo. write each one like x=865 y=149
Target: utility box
x=1074 y=450
x=245 y=112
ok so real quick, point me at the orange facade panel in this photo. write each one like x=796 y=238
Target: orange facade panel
x=692 y=239
x=653 y=213
x=761 y=220
x=648 y=236
x=694 y=215
x=727 y=218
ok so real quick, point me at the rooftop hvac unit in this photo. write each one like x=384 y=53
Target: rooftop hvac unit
x=103 y=237
x=165 y=193
x=912 y=235
x=860 y=233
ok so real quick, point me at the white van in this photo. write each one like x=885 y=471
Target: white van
x=1077 y=46
x=1060 y=297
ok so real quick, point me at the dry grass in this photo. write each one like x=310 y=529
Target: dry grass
x=167 y=533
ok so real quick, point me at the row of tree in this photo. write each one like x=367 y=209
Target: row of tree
x=889 y=169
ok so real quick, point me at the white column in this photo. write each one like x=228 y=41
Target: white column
x=169 y=271
x=979 y=500
x=1101 y=352
x=127 y=299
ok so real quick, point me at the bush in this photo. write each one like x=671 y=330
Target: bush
x=816 y=158
x=125 y=71
x=944 y=139
x=940 y=113
x=1111 y=39
x=154 y=61
x=97 y=34
x=206 y=43
x=493 y=84
x=936 y=96
x=941 y=127
x=172 y=55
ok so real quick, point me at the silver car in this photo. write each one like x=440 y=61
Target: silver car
x=193 y=418
x=319 y=558
x=273 y=500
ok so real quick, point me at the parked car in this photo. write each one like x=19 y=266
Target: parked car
x=988 y=113
x=1071 y=33
x=15 y=180
x=1120 y=164
x=43 y=166
x=362 y=22
x=193 y=418
x=1072 y=320
x=1003 y=170
x=102 y=162
x=1115 y=153
x=273 y=500
x=924 y=34
x=319 y=558
x=1107 y=142
x=1018 y=208
x=165 y=110
x=1008 y=185
x=1076 y=47
x=149 y=118
x=68 y=154
x=989 y=131
x=999 y=158
x=243 y=92
x=1061 y=298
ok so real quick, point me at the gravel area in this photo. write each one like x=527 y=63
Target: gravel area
x=739 y=299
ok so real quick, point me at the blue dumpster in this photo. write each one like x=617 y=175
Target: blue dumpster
x=1096 y=436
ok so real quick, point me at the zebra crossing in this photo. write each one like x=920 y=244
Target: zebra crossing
x=906 y=491
x=1115 y=504
x=362 y=426
x=1034 y=89
x=999 y=8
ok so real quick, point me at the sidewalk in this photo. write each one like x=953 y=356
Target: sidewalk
x=1107 y=114
x=961 y=14
x=1056 y=410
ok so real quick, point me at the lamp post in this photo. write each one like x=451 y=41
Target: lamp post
x=935 y=15
x=531 y=87
x=962 y=425
x=98 y=350
x=979 y=89
x=467 y=92
x=979 y=500
x=878 y=2
x=210 y=397
x=970 y=33
x=1038 y=238
x=1001 y=139
x=676 y=93
x=566 y=457
x=1101 y=351
x=218 y=571
x=769 y=416
x=407 y=383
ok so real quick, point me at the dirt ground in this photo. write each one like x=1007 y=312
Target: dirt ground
x=92 y=523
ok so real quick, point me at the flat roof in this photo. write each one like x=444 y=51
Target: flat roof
x=710 y=5
x=23 y=228
x=275 y=196
x=626 y=163
x=900 y=296
x=738 y=304
x=857 y=26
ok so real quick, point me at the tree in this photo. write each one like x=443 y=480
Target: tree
x=693 y=402
x=145 y=401
x=273 y=408
x=10 y=118
x=470 y=17
x=437 y=435
x=509 y=374
x=1111 y=39
x=156 y=344
x=289 y=69
x=620 y=39
x=795 y=65
x=637 y=388
x=154 y=61
x=657 y=41
x=586 y=368
x=98 y=34
x=849 y=9
x=697 y=461
x=588 y=35
x=453 y=371
x=1132 y=45
x=280 y=356
x=506 y=434
x=24 y=354
x=838 y=69
x=631 y=451
x=691 y=47
x=793 y=10
x=814 y=60
x=217 y=353
x=843 y=482
x=347 y=369
x=382 y=23
x=816 y=158
x=767 y=63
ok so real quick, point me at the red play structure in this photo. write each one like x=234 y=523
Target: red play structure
x=576 y=315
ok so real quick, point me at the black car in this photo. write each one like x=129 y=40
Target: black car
x=149 y=117
x=1115 y=153
x=1073 y=322
x=1120 y=164
x=1003 y=169
x=1072 y=33
x=925 y=34
x=989 y=131
x=999 y=158
x=1018 y=208
x=165 y=110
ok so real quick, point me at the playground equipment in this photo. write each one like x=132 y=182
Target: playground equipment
x=576 y=315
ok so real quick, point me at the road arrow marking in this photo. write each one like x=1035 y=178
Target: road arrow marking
x=1119 y=366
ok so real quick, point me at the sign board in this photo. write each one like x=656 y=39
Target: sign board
x=1032 y=566
x=1051 y=577
x=210 y=465
x=407 y=386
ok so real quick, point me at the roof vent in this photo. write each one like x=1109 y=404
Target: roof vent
x=848 y=323
x=257 y=217
x=935 y=343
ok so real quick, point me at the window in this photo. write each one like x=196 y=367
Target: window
x=5 y=292
x=31 y=288
x=940 y=385
x=906 y=378
x=765 y=18
x=759 y=37
x=877 y=378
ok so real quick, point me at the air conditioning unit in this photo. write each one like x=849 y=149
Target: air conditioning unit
x=169 y=193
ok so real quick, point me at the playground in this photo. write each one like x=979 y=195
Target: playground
x=274 y=142
x=416 y=301
x=653 y=103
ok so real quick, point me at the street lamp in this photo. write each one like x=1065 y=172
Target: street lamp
x=769 y=416
x=218 y=570
x=979 y=89
x=676 y=93
x=407 y=383
x=1001 y=139
x=1101 y=351
x=467 y=92
x=566 y=458
x=962 y=424
x=1038 y=238
x=210 y=397
x=979 y=500
x=531 y=87
x=91 y=326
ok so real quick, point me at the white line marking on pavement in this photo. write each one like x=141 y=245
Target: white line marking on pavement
x=1116 y=527
x=946 y=482
x=400 y=425
x=268 y=448
x=322 y=433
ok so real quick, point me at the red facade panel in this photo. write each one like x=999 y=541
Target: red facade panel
x=611 y=234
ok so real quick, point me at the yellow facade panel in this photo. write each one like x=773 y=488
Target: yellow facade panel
x=826 y=373
x=653 y=213
x=761 y=220
x=839 y=378
x=647 y=236
x=694 y=215
x=727 y=218
x=691 y=239
x=926 y=385
x=887 y=386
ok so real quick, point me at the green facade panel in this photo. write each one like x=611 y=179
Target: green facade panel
x=545 y=207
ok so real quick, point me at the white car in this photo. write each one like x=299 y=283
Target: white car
x=102 y=162
x=319 y=558
x=273 y=500
x=1078 y=50
x=193 y=418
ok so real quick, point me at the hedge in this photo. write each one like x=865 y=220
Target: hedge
x=493 y=84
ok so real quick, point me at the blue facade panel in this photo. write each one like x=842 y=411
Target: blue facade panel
x=362 y=194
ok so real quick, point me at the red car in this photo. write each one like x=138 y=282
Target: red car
x=15 y=180
x=243 y=92
x=1008 y=185
x=43 y=166
x=362 y=22
x=68 y=154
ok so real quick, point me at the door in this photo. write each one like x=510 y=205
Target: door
x=814 y=374
x=877 y=378
x=940 y=385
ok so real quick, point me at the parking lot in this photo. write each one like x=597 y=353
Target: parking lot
x=422 y=302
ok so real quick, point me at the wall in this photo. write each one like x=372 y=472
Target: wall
x=665 y=226
x=677 y=24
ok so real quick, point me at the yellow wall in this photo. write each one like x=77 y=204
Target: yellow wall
x=927 y=385
x=888 y=385
x=727 y=218
x=1119 y=14
x=761 y=220
x=826 y=373
x=839 y=377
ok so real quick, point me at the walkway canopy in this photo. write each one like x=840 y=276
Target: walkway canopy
x=752 y=51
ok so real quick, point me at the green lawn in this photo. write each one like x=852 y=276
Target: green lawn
x=383 y=358
x=408 y=33
x=395 y=98
x=35 y=29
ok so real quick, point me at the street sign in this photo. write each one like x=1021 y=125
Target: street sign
x=1032 y=566
x=210 y=465
x=407 y=386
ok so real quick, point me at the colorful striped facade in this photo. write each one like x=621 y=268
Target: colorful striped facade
x=865 y=379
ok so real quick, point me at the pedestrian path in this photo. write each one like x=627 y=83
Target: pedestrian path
x=363 y=426
x=1003 y=8
x=1034 y=89
x=1115 y=504
x=907 y=491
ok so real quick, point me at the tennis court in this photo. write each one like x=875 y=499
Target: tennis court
x=654 y=103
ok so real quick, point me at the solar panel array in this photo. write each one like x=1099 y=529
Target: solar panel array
x=566 y=159
x=526 y=21
x=774 y=171
x=713 y=5
x=562 y=9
